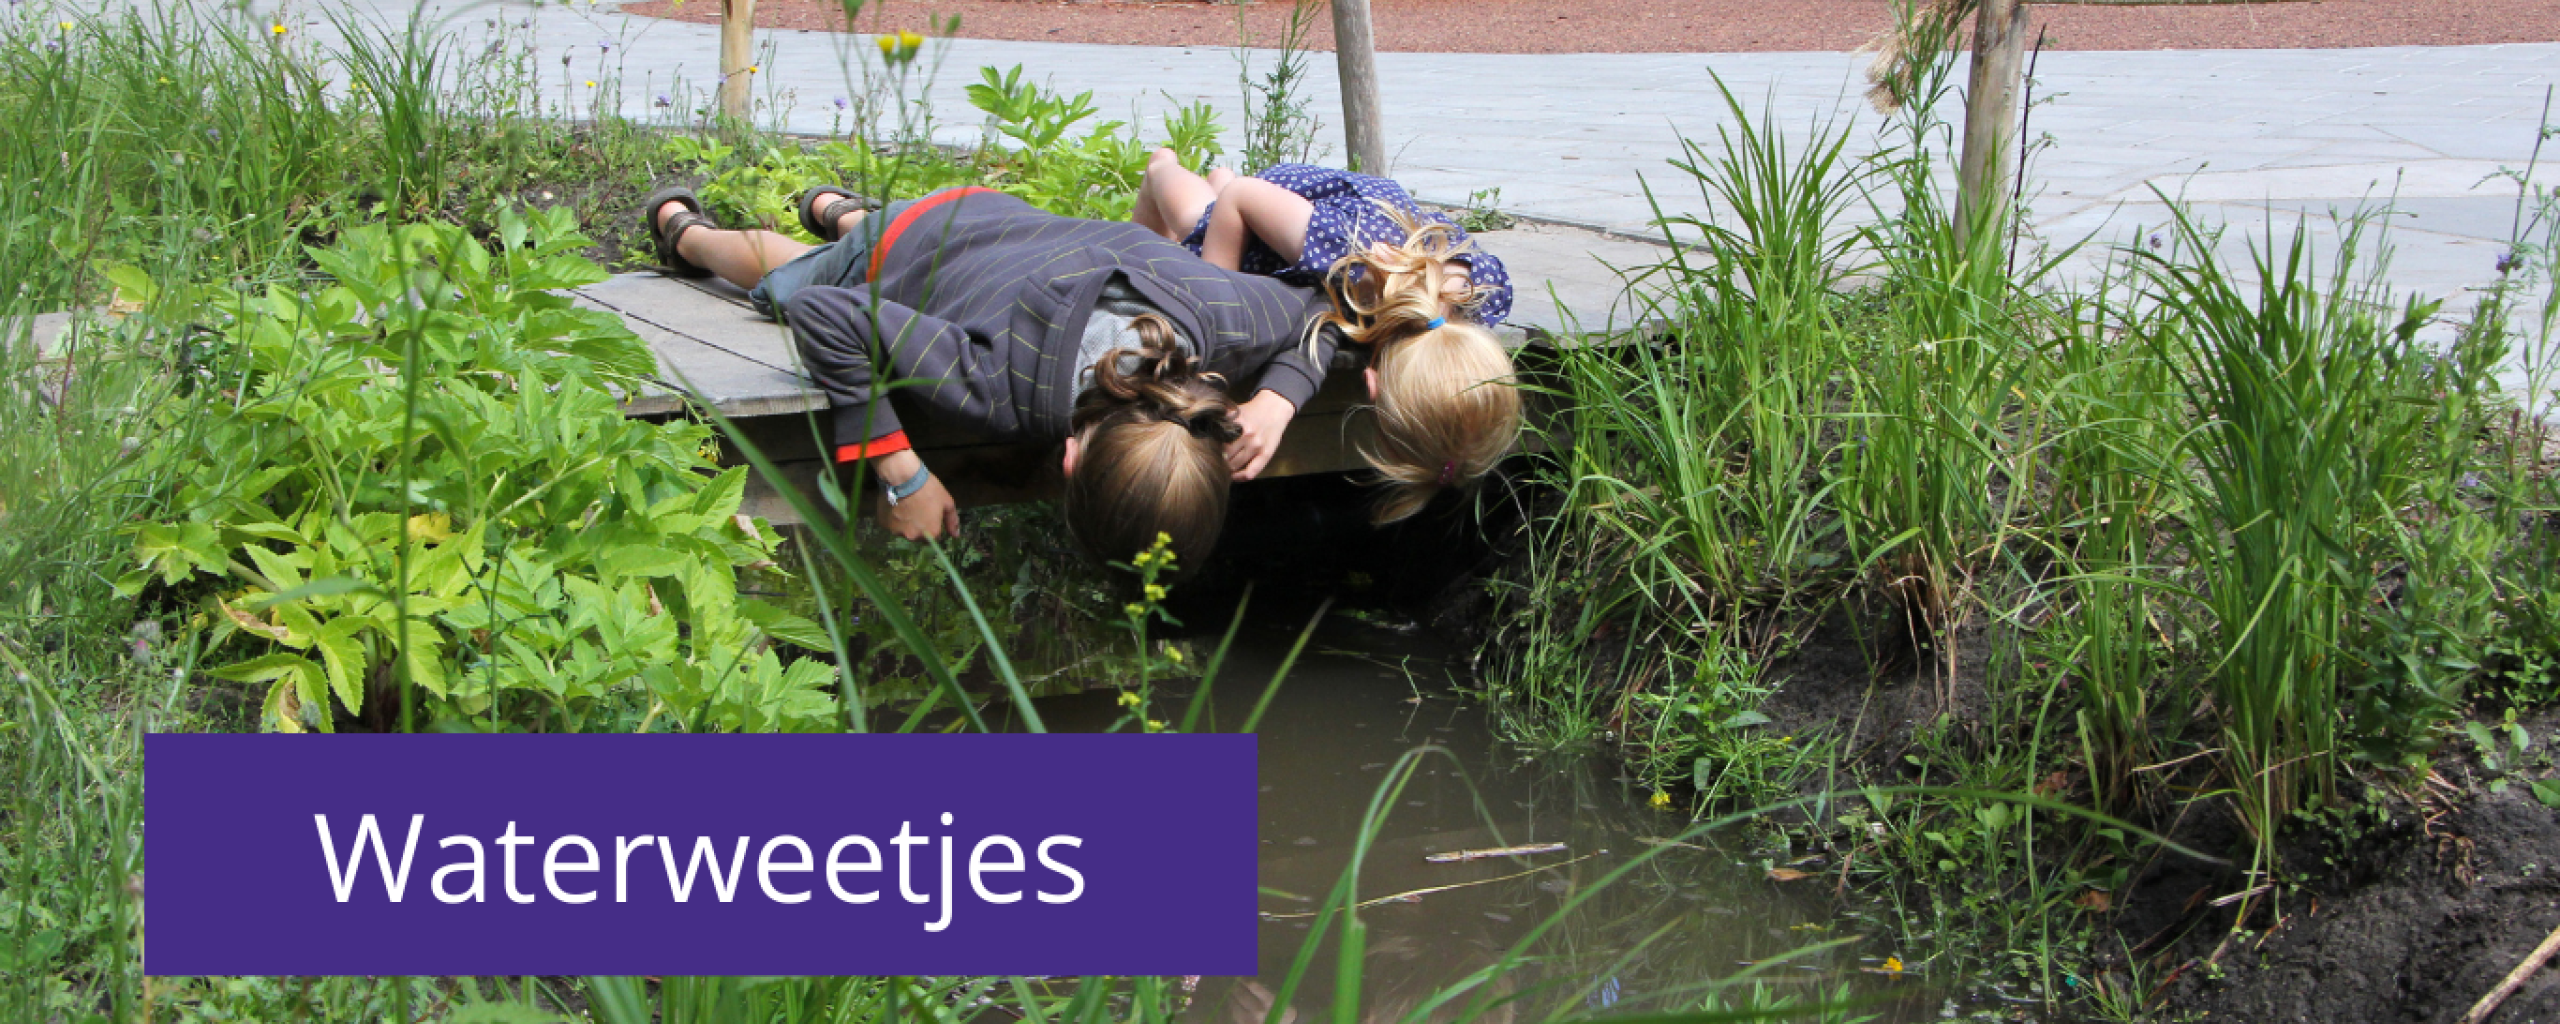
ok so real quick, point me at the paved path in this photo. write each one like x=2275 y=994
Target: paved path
x=1579 y=138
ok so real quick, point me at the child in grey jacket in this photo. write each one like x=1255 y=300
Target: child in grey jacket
x=1029 y=325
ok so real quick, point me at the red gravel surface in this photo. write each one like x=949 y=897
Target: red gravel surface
x=1672 y=26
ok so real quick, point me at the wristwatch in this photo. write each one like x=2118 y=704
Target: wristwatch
x=901 y=492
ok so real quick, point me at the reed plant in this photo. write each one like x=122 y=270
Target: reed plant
x=2112 y=465
x=2304 y=441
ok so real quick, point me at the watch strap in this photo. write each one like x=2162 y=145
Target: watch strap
x=902 y=491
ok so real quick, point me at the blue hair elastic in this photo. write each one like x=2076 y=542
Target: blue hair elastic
x=1436 y=323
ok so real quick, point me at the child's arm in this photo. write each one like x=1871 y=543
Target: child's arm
x=1250 y=208
x=842 y=333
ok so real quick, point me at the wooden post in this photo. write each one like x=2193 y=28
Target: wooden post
x=1991 y=110
x=737 y=55
x=1355 y=54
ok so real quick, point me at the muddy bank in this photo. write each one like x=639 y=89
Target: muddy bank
x=2404 y=918
x=2409 y=903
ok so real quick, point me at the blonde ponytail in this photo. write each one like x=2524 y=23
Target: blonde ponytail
x=1448 y=402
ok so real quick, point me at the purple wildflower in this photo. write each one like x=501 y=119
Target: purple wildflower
x=840 y=103
x=604 y=46
x=214 y=133
x=2471 y=481
x=663 y=101
x=564 y=59
x=2509 y=260
x=2157 y=242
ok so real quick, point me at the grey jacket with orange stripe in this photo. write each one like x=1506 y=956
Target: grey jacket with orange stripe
x=977 y=302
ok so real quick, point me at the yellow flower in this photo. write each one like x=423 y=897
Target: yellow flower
x=1893 y=965
x=752 y=68
x=909 y=40
x=66 y=26
x=1155 y=592
x=888 y=45
x=591 y=83
x=1661 y=800
x=1135 y=609
x=1154 y=726
x=1173 y=654
x=278 y=28
x=1129 y=698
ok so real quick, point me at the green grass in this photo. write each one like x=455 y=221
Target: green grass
x=2223 y=528
x=2243 y=486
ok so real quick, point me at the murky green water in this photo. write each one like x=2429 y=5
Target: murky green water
x=1690 y=918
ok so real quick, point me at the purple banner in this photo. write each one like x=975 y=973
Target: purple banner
x=565 y=855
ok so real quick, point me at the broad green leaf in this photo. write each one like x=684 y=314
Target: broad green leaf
x=638 y=560
x=424 y=657
x=264 y=667
x=341 y=647
x=782 y=625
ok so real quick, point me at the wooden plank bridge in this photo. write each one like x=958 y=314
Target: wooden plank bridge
x=715 y=353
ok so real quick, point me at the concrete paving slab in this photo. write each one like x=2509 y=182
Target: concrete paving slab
x=1476 y=121
x=2486 y=217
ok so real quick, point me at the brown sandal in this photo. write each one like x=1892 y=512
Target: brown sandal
x=663 y=237
x=820 y=222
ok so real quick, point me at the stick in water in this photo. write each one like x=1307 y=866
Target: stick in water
x=1455 y=856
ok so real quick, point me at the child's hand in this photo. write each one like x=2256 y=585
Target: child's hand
x=1264 y=418
x=928 y=513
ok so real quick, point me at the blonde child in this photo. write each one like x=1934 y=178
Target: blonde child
x=1407 y=283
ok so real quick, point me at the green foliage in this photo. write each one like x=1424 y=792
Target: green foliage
x=1093 y=175
x=2306 y=439
x=1278 y=124
x=396 y=80
x=1035 y=118
x=1483 y=212
x=498 y=535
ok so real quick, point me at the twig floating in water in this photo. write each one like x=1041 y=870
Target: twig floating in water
x=1461 y=856
x=1416 y=895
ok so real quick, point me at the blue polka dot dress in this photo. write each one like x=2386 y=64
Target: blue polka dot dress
x=1346 y=220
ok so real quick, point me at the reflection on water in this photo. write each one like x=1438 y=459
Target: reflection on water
x=1660 y=938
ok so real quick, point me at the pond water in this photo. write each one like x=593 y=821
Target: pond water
x=1363 y=696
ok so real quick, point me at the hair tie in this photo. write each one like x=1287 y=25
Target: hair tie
x=1448 y=472
x=1435 y=323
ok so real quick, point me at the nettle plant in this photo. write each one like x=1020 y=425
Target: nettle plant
x=421 y=470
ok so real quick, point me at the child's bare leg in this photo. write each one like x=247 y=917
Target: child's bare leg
x=1254 y=208
x=1220 y=176
x=1170 y=197
x=739 y=257
x=844 y=224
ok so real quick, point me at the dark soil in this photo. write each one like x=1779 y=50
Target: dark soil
x=1670 y=26
x=2410 y=909
x=2412 y=919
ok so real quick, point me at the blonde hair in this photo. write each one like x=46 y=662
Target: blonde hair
x=1448 y=405
x=1152 y=453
